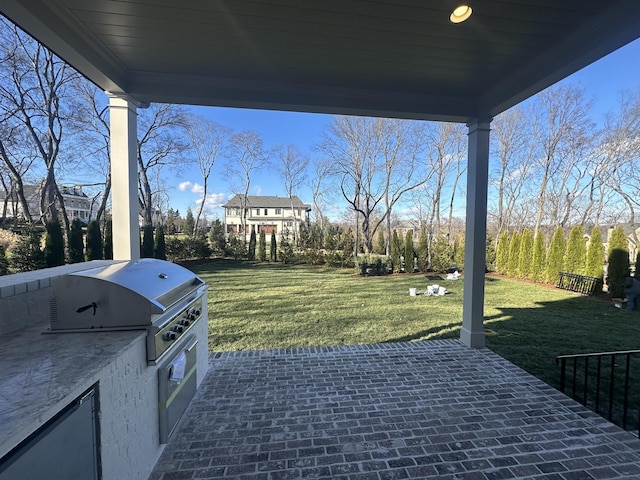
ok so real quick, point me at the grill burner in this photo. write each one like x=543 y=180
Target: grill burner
x=161 y=297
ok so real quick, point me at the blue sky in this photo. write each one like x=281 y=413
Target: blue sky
x=603 y=81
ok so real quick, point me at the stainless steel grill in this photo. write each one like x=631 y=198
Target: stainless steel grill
x=161 y=297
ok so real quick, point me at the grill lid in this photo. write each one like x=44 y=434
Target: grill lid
x=159 y=282
x=126 y=294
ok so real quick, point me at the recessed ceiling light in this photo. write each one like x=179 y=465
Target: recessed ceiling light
x=460 y=14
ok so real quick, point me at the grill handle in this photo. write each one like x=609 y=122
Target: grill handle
x=93 y=305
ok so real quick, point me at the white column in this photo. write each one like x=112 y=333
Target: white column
x=124 y=177
x=472 y=332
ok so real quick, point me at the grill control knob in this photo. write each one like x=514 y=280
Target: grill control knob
x=191 y=316
x=185 y=322
x=196 y=311
x=178 y=328
x=168 y=336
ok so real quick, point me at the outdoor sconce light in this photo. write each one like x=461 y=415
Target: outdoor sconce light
x=460 y=14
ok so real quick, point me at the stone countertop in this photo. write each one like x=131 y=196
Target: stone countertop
x=41 y=373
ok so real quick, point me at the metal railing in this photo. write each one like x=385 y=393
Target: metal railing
x=578 y=283
x=606 y=382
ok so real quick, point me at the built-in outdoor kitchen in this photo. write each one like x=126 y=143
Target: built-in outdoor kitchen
x=99 y=361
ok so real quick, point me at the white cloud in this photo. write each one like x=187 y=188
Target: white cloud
x=191 y=187
x=213 y=203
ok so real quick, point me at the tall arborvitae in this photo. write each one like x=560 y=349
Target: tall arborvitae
x=576 y=254
x=525 y=256
x=555 y=257
x=348 y=244
x=54 y=245
x=189 y=225
x=108 y=241
x=94 y=241
x=262 y=247
x=618 y=257
x=458 y=250
x=539 y=258
x=217 y=238
x=502 y=253
x=490 y=255
x=423 y=250
x=395 y=251
x=27 y=254
x=514 y=254
x=159 y=244
x=273 y=248
x=381 y=244
x=409 y=251
x=146 y=247
x=4 y=262
x=595 y=255
x=76 y=242
x=251 y=254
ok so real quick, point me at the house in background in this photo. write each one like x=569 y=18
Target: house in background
x=76 y=202
x=267 y=214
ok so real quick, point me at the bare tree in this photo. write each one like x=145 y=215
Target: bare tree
x=246 y=155
x=292 y=168
x=563 y=111
x=321 y=172
x=14 y=173
x=33 y=89
x=620 y=152
x=352 y=143
x=514 y=147
x=404 y=166
x=94 y=141
x=209 y=141
x=570 y=184
x=444 y=159
x=160 y=144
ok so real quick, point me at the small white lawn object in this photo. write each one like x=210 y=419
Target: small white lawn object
x=435 y=291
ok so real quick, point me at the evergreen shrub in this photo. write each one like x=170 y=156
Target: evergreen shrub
x=94 y=242
x=54 y=245
x=76 y=242
x=618 y=262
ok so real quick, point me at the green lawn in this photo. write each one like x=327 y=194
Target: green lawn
x=254 y=306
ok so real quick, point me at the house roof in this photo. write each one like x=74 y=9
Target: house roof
x=73 y=191
x=32 y=190
x=395 y=58
x=266 y=201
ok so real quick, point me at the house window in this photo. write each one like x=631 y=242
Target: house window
x=266 y=212
x=289 y=224
x=278 y=211
x=257 y=212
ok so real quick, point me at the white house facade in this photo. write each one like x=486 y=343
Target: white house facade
x=265 y=214
x=76 y=202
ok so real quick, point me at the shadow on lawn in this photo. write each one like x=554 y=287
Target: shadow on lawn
x=441 y=331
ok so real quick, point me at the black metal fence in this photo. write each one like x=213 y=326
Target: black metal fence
x=579 y=283
x=608 y=383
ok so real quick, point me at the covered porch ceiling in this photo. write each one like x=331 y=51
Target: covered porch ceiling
x=396 y=58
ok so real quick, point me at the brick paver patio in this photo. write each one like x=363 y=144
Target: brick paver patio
x=389 y=411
